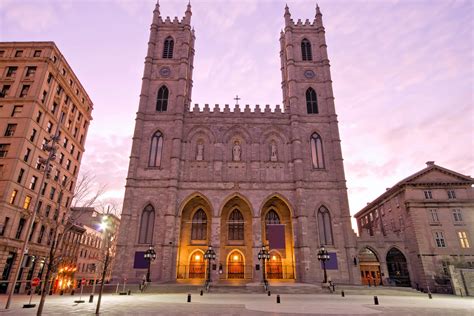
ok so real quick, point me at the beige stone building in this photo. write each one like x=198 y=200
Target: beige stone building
x=39 y=93
x=230 y=178
x=413 y=232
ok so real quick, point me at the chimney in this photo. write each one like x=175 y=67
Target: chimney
x=430 y=163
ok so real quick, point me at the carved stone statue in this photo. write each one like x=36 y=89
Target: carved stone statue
x=236 y=151
x=273 y=156
x=200 y=152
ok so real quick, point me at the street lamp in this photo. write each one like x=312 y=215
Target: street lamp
x=323 y=256
x=149 y=255
x=209 y=255
x=264 y=255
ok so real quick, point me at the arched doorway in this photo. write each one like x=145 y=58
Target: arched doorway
x=197 y=266
x=235 y=265
x=397 y=268
x=369 y=267
x=274 y=266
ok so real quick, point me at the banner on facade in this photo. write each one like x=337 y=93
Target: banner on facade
x=140 y=262
x=331 y=264
x=276 y=236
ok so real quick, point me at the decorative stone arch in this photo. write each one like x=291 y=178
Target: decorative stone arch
x=234 y=131
x=271 y=138
x=189 y=198
x=197 y=268
x=397 y=267
x=280 y=197
x=325 y=230
x=274 y=266
x=370 y=270
x=200 y=130
x=235 y=268
x=232 y=196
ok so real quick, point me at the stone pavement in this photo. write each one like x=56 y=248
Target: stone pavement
x=248 y=304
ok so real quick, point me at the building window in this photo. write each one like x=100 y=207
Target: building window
x=20 y=175
x=47 y=210
x=32 y=136
x=271 y=218
x=439 y=239
x=50 y=77
x=27 y=202
x=24 y=91
x=457 y=215
x=4 y=226
x=37 y=53
x=162 y=99
x=146 y=225
x=5 y=90
x=59 y=90
x=451 y=194
x=34 y=180
x=306 y=53
x=236 y=225
x=68 y=164
x=10 y=131
x=11 y=71
x=428 y=194
x=433 y=214
x=17 y=109
x=4 y=150
x=19 y=230
x=49 y=127
x=155 y=150
x=51 y=193
x=2 y=53
x=27 y=155
x=199 y=226
x=30 y=71
x=168 y=47
x=311 y=101
x=41 y=234
x=463 y=239
x=324 y=226
x=38 y=117
x=18 y=53
x=13 y=196
x=317 y=151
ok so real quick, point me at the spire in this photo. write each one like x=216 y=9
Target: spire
x=318 y=12
x=287 y=15
x=156 y=12
x=318 y=18
x=187 y=14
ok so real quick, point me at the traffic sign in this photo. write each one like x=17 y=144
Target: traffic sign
x=35 y=282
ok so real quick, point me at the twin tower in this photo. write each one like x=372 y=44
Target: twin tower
x=236 y=179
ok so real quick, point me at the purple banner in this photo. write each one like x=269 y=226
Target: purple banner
x=331 y=264
x=276 y=236
x=140 y=262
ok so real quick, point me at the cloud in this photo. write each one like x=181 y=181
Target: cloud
x=29 y=16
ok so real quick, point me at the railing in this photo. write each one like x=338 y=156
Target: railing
x=235 y=271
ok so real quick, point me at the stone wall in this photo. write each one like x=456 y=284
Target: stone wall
x=462 y=281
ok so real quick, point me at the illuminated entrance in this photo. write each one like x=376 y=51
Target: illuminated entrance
x=274 y=267
x=369 y=267
x=235 y=266
x=197 y=266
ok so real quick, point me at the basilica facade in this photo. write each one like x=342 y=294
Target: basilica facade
x=223 y=177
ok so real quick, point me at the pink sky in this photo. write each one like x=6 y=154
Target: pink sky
x=402 y=74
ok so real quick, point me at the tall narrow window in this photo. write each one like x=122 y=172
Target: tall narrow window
x=317 y=151
x=199 y=226
x=311 y=101
x=463 y=239
x=325 y=227
x=155 y=150
x=168 y=47
x=306 y=50
x=271 y=218
x=162 y=99
x=236 y=225
x=146 y=225
x=439 y=239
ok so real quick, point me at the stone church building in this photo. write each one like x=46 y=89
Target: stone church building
x=224 y=177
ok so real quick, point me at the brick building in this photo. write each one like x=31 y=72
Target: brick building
x=39 y=96
x=226 y=178
x=410 y=234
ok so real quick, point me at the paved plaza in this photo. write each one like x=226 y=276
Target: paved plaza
x=249 y=304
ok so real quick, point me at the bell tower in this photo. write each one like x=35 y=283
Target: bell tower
x=306 y=78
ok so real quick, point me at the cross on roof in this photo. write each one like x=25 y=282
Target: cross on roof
x=237 y=99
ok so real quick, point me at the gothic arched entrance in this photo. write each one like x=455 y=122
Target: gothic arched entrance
x=197 y=266
x=369 y=267
x=235 y=265
x=274 y=266
x=397 y=268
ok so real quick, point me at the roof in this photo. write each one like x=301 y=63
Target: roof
x=412 y=180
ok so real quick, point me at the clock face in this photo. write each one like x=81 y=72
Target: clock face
x=309 y=74
x=165 y=71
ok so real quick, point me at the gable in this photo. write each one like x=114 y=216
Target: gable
x=439 y=176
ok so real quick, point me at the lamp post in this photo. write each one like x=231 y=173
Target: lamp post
x=323 y=256
x=149 y=255
x=264 y=255
x=209 y=255
x=108 y=238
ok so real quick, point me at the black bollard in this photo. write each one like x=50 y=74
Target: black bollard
x=278 y=299
x=269 y=293
x=129 y=292
x=429 y=295
x=376 y=300
x=342 y=293
x=61 y=292
x=189 y=298
x=50 y=292
x=201 y=293
x=91 y=298
x=72 y=292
